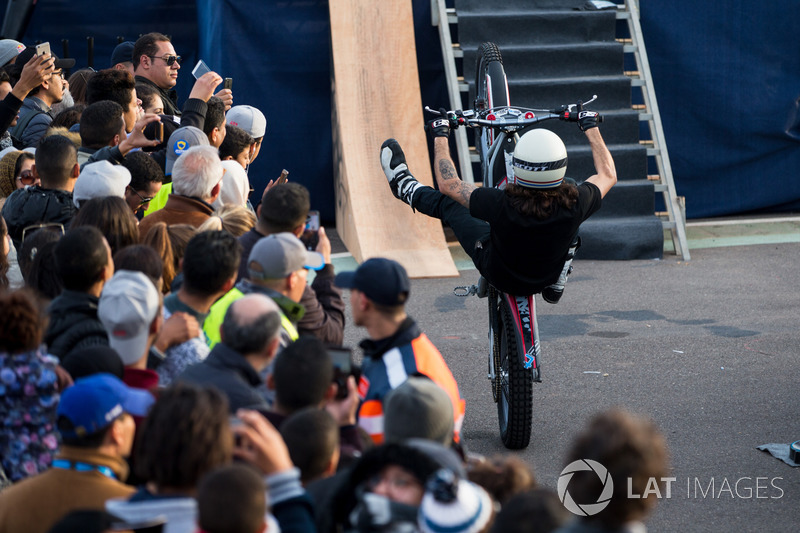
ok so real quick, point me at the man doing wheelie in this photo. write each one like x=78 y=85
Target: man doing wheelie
x=521 y=238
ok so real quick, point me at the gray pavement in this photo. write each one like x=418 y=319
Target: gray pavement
x=708 y=348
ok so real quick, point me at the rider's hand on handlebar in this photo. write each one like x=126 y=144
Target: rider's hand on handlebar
x=587 y=120
x=439 y=126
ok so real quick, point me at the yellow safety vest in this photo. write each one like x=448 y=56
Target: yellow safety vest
x=160 y=199
x=217 y=314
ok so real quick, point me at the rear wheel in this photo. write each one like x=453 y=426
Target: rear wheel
x=514 y=383
x=491 y=90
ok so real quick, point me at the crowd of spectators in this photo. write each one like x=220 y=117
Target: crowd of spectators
x=166 y=365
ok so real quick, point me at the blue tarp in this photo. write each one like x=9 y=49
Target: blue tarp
x=726 y=76
x=727 y=79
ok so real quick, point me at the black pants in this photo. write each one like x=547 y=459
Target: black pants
x=469 y=230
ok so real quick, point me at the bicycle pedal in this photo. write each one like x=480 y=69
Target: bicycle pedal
x=465 y=290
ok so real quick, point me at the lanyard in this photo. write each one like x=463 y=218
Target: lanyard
x=78 y=466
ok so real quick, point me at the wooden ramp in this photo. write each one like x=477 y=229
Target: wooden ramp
x=376 y=96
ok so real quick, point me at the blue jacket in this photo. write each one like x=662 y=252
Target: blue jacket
x=38 y=125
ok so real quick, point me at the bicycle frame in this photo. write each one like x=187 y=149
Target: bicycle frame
x=513 y=328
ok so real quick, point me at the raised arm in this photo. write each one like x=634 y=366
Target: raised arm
x=606 y=175
x=444 y=169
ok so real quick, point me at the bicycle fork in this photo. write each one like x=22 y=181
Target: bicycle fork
x=526 y=328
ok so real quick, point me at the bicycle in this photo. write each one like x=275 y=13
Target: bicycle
x=513 y=328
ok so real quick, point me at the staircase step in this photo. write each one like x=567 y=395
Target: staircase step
x=530 y=27
x=619 y=126
x=621 y=238
x=614 y=92
x=556 y=61
x=629 y=198
x=478 y=6
x=630 y=161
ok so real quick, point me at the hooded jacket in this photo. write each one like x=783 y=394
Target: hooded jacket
x=73 y=324
x=26 y=207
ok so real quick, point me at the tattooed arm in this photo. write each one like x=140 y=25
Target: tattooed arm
x=446 y=176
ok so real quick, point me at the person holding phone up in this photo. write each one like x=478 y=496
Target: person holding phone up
x=36 y=112
x=156 y=63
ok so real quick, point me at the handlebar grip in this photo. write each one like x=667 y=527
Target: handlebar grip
x=572 y=116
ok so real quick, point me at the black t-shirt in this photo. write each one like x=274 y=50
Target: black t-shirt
x=524 y=255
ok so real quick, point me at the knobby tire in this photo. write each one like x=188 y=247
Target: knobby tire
x=515 y=401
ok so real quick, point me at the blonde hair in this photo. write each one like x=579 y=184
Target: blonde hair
x=235 y=219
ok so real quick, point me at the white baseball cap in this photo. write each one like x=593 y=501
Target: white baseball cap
x=100 y=179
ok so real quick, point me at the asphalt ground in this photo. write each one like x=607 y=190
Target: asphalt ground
x=709 y=349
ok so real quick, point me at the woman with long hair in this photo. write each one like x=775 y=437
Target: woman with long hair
x=112 y=216
x=170 y=243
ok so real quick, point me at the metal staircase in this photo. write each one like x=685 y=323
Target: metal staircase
x=561 y=41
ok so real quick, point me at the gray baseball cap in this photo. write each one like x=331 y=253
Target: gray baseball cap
x=278 y=255
x=128 y=305
x=181 y=140
x=248 y=118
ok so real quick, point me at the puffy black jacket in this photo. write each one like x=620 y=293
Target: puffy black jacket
x=26 y=207
x=73 y=324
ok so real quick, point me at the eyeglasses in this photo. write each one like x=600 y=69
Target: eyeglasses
x=50 y=226
x=26 y=177
x=169 y=60
x=60 y=74
x=142 y=199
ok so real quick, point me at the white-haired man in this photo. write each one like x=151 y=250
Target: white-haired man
x=196 y=182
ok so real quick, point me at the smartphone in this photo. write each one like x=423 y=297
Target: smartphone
x=233 y=422
x=312 y=222
x=199 y=69
x=228 y=84
x=284 y=176
x=310 y=236
x=161 y=132
x=43 y=48
x=342 y=368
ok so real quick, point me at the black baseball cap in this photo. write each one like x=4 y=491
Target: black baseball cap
x=30 y=51
x=382 y=280
x=122 y=53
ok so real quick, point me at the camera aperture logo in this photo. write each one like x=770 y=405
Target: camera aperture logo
x=587 y=509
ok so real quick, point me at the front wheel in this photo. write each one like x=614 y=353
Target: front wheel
x=514 y=383
x=491 y=91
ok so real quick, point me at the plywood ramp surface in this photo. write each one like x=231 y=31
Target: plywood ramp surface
x=376 y=96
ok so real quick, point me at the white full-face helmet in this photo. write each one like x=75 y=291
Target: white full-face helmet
x=540 y=160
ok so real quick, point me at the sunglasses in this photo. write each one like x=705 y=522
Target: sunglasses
x=169 y=60
x=26 y=177
x=50 y=226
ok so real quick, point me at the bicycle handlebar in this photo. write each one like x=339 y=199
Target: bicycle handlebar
x=512 y=118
